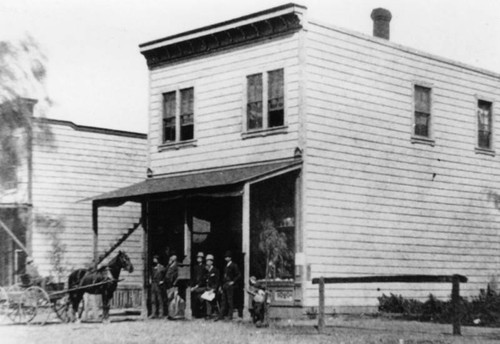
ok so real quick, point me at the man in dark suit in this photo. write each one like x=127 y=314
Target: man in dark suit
x=157 y=277
x=170 y=281
x=231 y=276
x=212 y=278
x=198 y=286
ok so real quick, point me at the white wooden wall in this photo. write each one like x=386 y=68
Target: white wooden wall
x=75 y=165
x=377 y=203
x=219 y=82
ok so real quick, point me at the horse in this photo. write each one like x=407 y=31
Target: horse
x=99 y=281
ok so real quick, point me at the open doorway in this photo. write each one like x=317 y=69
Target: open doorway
x=215 y=227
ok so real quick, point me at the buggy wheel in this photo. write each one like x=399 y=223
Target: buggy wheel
x=4 y=305
x=61 y=308
x=35 y=302
x=14 y=311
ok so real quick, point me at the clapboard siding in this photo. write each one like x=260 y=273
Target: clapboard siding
x=219 y=89
x=376 y=203
x=78 y=164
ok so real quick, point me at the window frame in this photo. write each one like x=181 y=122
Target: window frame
x=177 y=143
x=265 y=129
x=478 y=149
x=429 y=139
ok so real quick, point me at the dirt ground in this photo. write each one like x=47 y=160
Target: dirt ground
x=342 y=329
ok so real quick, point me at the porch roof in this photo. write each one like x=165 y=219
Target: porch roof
x=194 y=180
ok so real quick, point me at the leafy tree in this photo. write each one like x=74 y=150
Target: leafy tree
x=275 y=248
x=22 y=84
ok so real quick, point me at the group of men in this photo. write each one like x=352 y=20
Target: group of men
x=163 y=284
x=206 y=287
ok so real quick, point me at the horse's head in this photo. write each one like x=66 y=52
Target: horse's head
x=125 y=262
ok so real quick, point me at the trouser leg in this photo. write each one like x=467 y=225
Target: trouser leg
x=154 y=300
x=230 y=301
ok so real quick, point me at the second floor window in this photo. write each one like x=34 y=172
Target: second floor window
x=484 y=124
x=265 y=100
x=422 y=120
x=178 y=116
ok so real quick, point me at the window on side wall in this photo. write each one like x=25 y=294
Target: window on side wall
x=422 y=118
x=265 y=108
x=484 y=117
x=178 y=116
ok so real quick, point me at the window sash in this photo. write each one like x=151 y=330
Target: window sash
x=484 y=117
x=265 y=103
x=178 y=119
x=422 y=123
x=187 y=102
x=169 y=110
x=422 y=99
x=254 y=101
x=422 y=117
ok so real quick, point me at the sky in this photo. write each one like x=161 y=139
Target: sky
x=97 y=77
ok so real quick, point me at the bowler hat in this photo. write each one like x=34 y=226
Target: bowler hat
x=200 y=254
x=228 y=254
x=210 y=257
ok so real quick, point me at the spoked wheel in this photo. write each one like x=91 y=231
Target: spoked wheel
x=14 y=310
x=4 y=305
x=61 y=307
x=35 y=303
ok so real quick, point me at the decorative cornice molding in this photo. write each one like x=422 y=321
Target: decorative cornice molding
x=217 y=41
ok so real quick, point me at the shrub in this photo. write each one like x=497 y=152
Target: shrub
x=483 y=309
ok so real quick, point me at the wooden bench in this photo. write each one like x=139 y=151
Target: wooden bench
x=455 y=280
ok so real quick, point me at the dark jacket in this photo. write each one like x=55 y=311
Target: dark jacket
x=158 y=274
x=171 y=275
x=212 y=278
x=199 y=277
x=231 y=273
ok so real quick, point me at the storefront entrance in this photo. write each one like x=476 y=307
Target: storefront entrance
x=210 y=224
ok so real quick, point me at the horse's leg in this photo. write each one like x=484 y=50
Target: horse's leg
x=75 y=301
x=105 y=307
x=80 y=309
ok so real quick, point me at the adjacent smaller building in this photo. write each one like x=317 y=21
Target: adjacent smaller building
x=48 y=167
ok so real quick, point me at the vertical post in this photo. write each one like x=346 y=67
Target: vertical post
x=187 y=251
x=245 y=229
x=145 y=258
x=95 y=225
x=321 y=307
x=455 y=301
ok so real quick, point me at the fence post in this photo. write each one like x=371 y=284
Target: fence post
x=455 y=301
x=321 y=307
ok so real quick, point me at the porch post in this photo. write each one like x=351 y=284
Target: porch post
x=246 y=245
x=145 y=258
x=95 y=225
x=187 y=250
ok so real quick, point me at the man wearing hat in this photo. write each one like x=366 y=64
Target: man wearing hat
x=212 y=278
x=231 y=276
x=170 y=280
x=31 y=272
x=198 y=286
x=157 y=293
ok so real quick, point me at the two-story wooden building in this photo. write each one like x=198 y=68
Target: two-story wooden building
x=348 y=154
x=47 y=167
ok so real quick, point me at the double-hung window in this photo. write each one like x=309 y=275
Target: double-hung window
x=422 y=119
x=265 y=106
x=178 y=116
x=484 y=137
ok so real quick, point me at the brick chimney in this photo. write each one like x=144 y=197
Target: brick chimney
x=381 y=23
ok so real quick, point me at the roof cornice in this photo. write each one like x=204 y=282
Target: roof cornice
x=273 y=22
